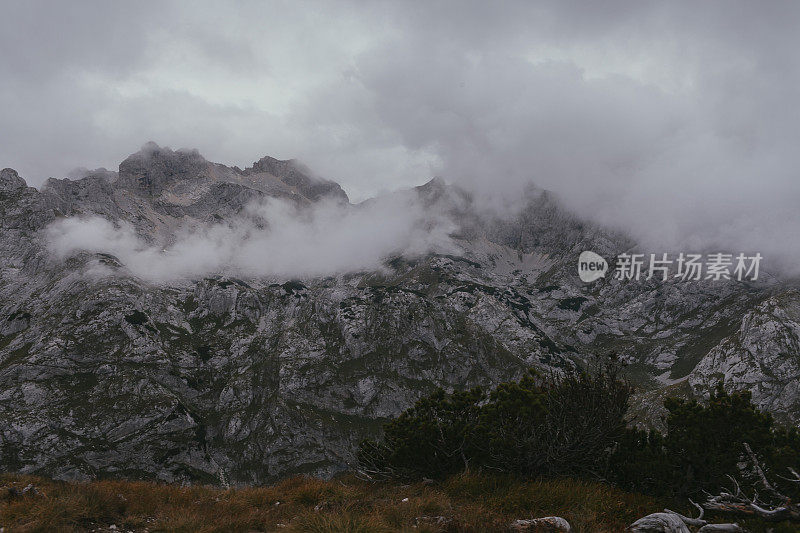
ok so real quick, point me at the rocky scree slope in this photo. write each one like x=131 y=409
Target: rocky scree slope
x=228 y=380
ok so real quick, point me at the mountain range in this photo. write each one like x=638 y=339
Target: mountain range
x=231 y=377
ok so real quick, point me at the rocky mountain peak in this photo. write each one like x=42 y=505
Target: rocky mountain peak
x=276 y=167
x=150 y=170
x=97 y=173
x=432 y=191
x=155 y=170
x=295 y=174
x=10 y=180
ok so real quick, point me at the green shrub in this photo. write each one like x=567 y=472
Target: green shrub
x=574 y=425
x=564 y=425
x=435 y=438
x=704 y=446
x=509 y=423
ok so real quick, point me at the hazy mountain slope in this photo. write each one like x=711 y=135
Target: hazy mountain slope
x=245 y=380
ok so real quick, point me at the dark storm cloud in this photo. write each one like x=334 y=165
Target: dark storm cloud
x=676 y=121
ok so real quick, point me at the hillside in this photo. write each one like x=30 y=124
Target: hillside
x=227 y=377
x=465 y=503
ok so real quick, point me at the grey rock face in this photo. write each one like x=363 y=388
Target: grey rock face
x=10 y=180
x=762 y=355
x=151 y=170
x=296 y=175
x=227 y=380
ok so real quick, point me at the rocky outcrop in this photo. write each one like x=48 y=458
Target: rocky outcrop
x=760 y=356
x=548 y=524
x=299 y=177
x=10 y=180
x=153 y=169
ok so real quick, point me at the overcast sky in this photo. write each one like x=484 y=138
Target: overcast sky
x=678 y=121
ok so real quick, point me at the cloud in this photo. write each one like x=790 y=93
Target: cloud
x=273 y=239
x=676 y=122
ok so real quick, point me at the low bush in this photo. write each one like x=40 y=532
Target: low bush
x=555 y=426
x=575 y=425
x=704 y=446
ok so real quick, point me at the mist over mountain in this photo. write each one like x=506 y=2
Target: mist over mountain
x=287 y=224
x=674 y=123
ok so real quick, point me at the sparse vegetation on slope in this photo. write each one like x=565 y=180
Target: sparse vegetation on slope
x=574 y=425
x=462 y=503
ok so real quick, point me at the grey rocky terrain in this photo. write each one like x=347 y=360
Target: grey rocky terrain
x=232 y=379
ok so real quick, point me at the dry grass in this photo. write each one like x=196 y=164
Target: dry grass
x=467 y=503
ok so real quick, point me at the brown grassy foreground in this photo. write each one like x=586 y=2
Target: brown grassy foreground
x=468 y=503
